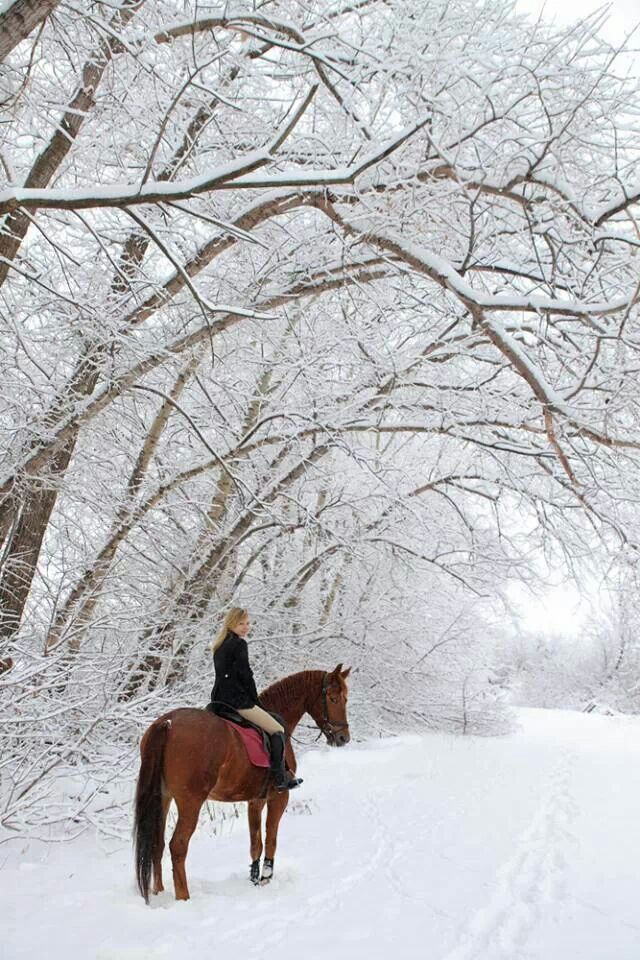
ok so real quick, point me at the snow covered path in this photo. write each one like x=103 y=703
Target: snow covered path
x=518 y=848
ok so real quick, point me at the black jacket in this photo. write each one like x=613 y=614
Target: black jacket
x=234 y=683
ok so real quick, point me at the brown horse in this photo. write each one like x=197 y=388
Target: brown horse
x=192 y=755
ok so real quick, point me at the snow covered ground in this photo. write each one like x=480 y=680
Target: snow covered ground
x=517 y=848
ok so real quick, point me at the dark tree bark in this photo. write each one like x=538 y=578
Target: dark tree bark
x=37 y=503
x=49 y=161
x=20 y=19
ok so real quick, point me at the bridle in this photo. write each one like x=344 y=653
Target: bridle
x=329 y=727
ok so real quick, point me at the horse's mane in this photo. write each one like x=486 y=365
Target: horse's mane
x=291 y=688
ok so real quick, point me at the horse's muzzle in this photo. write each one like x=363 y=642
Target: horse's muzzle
x=340 y=738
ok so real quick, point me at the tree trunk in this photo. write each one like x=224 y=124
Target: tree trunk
x=84 y=595
x=18 y=21
x=48 y=162
x=36 y=505
x=24 y=548
x=192 y=603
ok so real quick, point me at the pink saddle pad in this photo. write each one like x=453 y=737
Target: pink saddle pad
x=254 y=744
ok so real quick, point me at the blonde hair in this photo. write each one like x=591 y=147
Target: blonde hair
x=232 y=619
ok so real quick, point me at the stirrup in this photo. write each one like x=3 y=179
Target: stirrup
x=289 y=782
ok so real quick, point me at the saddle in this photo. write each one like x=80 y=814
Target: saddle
x=256 y=740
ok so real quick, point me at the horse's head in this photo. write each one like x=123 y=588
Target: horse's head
x=329 y=708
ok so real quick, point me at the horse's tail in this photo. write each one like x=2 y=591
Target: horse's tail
x=148 y=827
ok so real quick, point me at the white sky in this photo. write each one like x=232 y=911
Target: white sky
x=563 y=611
x=623 y=15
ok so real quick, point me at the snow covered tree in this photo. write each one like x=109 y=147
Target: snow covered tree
x=328 y=308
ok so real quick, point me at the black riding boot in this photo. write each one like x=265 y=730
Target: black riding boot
x=283 y=779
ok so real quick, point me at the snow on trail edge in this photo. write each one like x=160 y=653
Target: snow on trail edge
x=517 y=848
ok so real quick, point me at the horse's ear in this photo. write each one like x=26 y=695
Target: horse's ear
x=345 y=673
x=337 y=670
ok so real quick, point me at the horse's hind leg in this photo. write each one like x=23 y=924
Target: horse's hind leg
x=276 y=805
x=158 y=886
x=254 y=811
x=188 y=811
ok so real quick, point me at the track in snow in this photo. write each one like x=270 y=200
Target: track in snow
x=436 y=846
x=531 y=881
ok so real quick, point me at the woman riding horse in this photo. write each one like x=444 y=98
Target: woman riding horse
x=190 y=755
x=235 y=687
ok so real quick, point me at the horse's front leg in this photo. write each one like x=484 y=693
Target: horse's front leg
x=276 y=806
x=254 y=811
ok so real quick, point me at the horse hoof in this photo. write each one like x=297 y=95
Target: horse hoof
x=267 y=871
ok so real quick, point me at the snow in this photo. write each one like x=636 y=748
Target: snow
x=226 y=15
x=226 y=175
x=522 y=847
x=440 y=268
